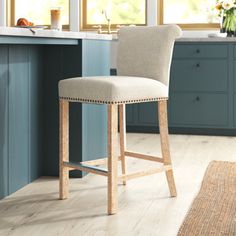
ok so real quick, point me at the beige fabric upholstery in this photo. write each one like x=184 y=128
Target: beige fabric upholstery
x=147 y=51
x=112 y=89
x=144 y=59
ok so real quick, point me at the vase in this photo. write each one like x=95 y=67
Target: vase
x=228 y=24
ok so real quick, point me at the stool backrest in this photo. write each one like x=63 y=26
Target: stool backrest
x=146 y=51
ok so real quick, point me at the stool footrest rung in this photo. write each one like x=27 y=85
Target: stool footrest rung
x=145 y=173
x=144 y=156
x=97 y=162
x=86 y=168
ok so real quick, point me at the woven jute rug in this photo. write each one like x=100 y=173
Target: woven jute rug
x=213 y=211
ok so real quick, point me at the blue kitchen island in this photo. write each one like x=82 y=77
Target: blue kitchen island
x=31 y=64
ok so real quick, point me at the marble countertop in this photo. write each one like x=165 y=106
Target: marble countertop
x=202 y=38
x=46 y=33
x=40 y=33
x=207 y=39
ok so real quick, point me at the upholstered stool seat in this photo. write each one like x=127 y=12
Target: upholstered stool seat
x=112 y=89
x=143 y=67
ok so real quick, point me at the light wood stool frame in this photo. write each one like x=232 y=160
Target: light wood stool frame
x=112 y=172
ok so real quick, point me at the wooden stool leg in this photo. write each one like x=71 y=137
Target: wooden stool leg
x=64 y=149
x=122 y=139
x=163 y=125
x=112 y=159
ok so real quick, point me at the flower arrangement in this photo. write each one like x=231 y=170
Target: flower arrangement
x=227 y=9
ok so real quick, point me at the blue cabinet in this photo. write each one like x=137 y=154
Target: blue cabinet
x=96 y=62
x=20 y=140
x=202 y=92
x=29 y=120
x=4 y=115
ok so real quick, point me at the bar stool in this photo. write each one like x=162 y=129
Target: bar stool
x=143 y=66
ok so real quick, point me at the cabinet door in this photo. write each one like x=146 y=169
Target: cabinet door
x=209 y=75
x=147 y=114
x=199 y=110
x=18 y=117
x=4 y=83
x=96 y=62
x=131 y=114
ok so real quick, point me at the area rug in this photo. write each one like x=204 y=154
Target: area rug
x=213 y=211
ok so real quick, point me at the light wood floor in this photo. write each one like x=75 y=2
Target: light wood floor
x=145 y=207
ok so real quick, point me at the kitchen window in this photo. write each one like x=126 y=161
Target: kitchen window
x=38 y=11
x=121 y=12
x=189 y=13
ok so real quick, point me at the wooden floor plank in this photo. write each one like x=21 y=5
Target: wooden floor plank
x=145 y=207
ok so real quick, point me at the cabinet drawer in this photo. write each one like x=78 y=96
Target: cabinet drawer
x=199 y=75
x=200 y=51
x=199 y=109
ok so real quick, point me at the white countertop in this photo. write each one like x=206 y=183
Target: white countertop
x=46 y=33
x=206 y=39
x=201 y=38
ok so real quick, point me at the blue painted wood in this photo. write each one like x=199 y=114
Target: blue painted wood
x=199 y=75
x=201 y=90
x=59 y=63
x=18 y=117
x=35 y=111
x=36 y=41
x=87 y=122
x=231 y=82
x=147 y=114
x=200 y=50
x=130 y=114
x=96 y=62
x=199 y=109
x=4 y=84
x=29 y=125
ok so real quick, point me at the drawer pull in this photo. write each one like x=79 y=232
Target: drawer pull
x=198 y=65
x=198 y=51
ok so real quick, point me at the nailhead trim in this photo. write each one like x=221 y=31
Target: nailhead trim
x=113 y=102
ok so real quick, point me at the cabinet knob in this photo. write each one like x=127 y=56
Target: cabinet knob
x=198 y=51
x=198 y=65
x=197 y=98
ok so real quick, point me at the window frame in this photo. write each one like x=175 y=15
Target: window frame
x=84 y=26
x=12 y=19
x=190 y=26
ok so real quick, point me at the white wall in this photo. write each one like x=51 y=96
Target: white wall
x=3 y=11
x=75 y=15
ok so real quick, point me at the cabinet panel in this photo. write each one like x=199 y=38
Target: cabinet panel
x=200 y=51
x=199 y=109
x=4 y=83
x=147 y=113
x=18 y=117
x=234 y=51
x=96 y=62
x=234 y=111
x=130 y=114
x=234 y=76
x=199 y=75
x=59 y=62
x=35 y=111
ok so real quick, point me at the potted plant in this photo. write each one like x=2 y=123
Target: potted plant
x=227 y=10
